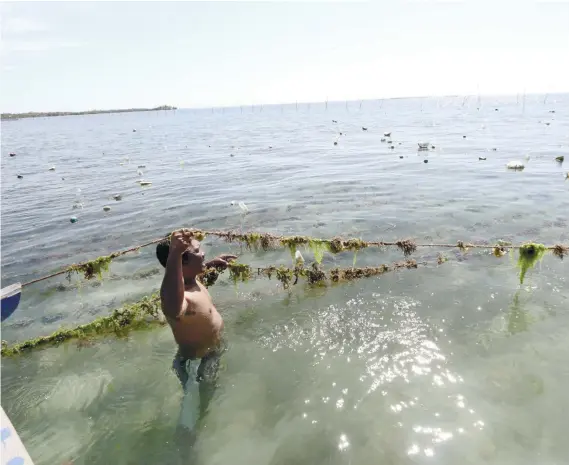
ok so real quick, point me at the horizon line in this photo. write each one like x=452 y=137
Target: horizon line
x=304 y=102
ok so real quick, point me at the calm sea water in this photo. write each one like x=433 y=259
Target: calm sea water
x=446 y=364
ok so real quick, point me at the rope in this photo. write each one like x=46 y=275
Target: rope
x=69 y=268
x=335 y=245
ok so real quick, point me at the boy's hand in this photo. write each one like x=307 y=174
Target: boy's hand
x=220 y=262
x=180 y=241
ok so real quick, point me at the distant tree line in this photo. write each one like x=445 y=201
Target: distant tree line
x=34 y=114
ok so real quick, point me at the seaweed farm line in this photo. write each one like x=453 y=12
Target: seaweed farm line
x=147 y=312
x=266 y=241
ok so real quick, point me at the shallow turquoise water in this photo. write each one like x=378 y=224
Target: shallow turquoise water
x=444 y=363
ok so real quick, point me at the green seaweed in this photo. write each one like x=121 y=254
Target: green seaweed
x=120 y=322
x=252 y=240
x=146 y=312
x=92 y=268
x=529 y=255
x=284 y=275
x=293 y=242
x=318 y=248
x=209 y=277
x=239 y=272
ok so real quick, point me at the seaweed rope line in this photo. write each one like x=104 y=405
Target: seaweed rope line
x=146 y=312
x=268 y=241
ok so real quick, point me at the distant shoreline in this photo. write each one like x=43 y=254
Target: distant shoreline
x=33 y=114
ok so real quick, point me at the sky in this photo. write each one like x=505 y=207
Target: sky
x=72 y=56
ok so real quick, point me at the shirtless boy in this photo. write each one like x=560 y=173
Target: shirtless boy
x=189 y=309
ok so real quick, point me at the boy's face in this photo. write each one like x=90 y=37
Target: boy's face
x=193 y=260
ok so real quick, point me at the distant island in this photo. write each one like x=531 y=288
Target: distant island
x=33 y=114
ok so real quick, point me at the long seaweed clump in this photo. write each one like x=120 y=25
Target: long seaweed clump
x=120 y=322
x=239 y=272
x=92 y=268
x=529 y=255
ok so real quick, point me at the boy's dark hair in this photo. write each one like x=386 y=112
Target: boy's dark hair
x=162 y=250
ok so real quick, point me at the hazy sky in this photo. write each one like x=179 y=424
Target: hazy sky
x=76 y=56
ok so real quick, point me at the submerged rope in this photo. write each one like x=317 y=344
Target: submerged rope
x=266 y=241
x=147 y=312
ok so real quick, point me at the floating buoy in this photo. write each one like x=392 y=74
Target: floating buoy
x=425 y=161
x=494 y=149
x=134 y=130
x=364 y=129
x=423 y=145
x=141 y=166
x=270 y=146
x=495 y=109
x=73 y=219
x=560 y=159
x=482 y=158
x=233 y=202
x=547 y=124
x=383 y=139
x=12 y=154
x=231 y=155
x=145 y=183
x=140 y=173
x=390 y=142
x=392 y=147
x=433 y=147
x=77 y=205
x=387 y=134
x=298 y=258
x=335 y=143
x=117 y=197
x=400 y=156
x=106 y=208
x=334 y=121
x=52 y=168
x=464 y=137
x=551 y=111
x=515 y=165
x=20 y=176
